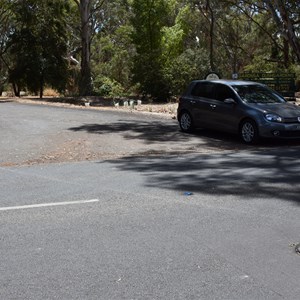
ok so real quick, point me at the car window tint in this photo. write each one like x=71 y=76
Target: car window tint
x=224 y=92
x=203 y=89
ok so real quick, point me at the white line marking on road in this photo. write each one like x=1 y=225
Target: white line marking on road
x=48 y=204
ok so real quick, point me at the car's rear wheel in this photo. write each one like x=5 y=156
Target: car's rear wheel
x=249 y=132
x=186 y=122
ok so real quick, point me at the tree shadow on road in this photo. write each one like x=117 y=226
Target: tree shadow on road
x=147 y=131
x=268 y=174
x=226 y=167
x=166 y=131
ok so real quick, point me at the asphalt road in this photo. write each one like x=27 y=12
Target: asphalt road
x=93 y=205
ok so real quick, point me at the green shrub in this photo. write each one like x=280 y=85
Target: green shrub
x=105 y=86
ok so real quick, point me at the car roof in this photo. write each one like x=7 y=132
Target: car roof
x=229 y=82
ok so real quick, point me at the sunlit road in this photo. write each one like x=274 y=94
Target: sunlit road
x=81 y=219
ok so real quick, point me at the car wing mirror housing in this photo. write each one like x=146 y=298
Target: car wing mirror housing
x=229 y=101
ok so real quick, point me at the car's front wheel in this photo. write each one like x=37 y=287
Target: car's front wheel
x=249 y=132
x=186 y=122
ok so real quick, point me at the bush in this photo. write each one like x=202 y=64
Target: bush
x=105 y=86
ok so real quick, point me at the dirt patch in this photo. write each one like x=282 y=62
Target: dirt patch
x=168 y=109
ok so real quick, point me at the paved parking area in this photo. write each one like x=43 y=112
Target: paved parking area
x=119 y=225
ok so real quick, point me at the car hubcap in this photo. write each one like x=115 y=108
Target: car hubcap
x=185 y=122
x=248 y=132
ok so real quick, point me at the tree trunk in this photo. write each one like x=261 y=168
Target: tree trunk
x=292 y=38
x=16 y=89
x=286 y=56
x=85 y=85
x=285 y=25
x=211 y=35
x=41 y=86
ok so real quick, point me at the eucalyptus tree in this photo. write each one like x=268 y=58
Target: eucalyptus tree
x=149 y=18
x=236 y=38
x=38 y=46
x=238 y=34
x=85 y=84
x=88 y=26
x=277 y=24
x=286 y=15
x=112 y=50
x=185 y=57
x=6 y=23
x=210 y=12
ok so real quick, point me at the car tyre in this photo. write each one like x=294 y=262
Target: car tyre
x=249 y=132
x=186 y=122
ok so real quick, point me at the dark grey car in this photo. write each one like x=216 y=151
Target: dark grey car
x=249 y=109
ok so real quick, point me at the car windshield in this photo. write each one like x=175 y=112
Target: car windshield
x=257 y=94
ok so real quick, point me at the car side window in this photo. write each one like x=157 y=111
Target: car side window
x=203 y=89
x=224 y=92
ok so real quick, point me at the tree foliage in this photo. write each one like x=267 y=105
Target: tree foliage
x=6 y=24
x=149 y=20
x=149 y=47
x=112 y=50
x=38 y=46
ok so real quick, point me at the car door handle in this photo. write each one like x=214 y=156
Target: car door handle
x=192 y=101
x=213 y=106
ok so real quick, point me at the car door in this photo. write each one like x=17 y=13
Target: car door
x=202 y=96
x=225 y=116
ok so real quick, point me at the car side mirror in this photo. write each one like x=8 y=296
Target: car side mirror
x=229 y=101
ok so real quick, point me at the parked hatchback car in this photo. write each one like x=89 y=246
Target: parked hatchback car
x=249 y=109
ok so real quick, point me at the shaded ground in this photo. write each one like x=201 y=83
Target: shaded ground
x=270 y=174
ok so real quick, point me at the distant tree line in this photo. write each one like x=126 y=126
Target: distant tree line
x=146 y=47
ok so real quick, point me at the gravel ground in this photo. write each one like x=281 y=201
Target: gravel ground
x=32 y=135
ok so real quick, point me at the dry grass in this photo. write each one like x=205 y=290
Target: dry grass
x=48 y=92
